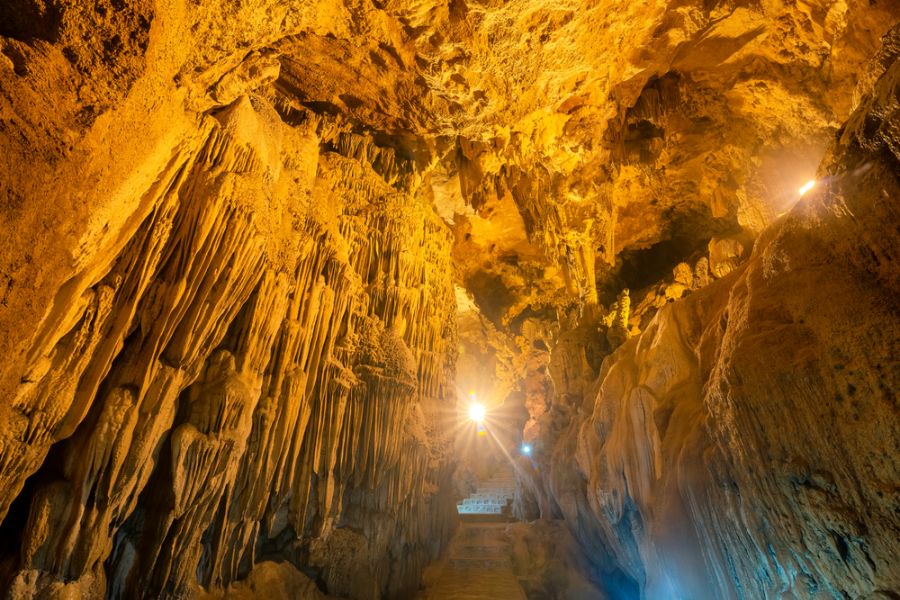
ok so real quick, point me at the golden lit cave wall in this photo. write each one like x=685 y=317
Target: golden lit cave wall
x=744 y=444
x=257 y=372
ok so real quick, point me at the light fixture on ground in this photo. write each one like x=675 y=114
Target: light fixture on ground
x=477 y=412
x=807 y=186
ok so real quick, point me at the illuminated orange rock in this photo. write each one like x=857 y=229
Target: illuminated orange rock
x=250 y=252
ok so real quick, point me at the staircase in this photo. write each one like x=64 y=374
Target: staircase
x=477 y=567
x=491 y=497
x=477 y=564
x=480 y=546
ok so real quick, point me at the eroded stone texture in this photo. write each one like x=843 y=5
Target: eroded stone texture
x=235 y=236
x=744 y=445
x=258 y=372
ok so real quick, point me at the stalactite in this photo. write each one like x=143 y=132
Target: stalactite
x=230 y=237
x=242 y=398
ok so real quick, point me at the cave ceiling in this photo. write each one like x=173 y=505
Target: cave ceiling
x=556 y=138
x=254 y=254
x=553 y=138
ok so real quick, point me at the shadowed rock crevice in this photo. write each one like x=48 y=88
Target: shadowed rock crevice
x=26 y=20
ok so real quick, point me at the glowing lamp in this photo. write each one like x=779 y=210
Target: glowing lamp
x=807 y=186
x=526 y=449
x=476 y=412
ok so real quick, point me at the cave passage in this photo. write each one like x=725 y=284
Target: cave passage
x=449 y=299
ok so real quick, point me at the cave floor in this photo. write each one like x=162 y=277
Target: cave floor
x=476 y=565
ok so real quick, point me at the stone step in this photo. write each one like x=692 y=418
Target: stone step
x=480 y=551
x=494 y=519
x=475 y=584
x=481 y=509
x=487 y=531
x=478 y=501
x=480 y=563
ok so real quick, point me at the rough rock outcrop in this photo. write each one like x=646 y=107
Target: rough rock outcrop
x=273 y=581
x=744 y=445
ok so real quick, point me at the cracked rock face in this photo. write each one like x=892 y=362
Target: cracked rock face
x=250 y=252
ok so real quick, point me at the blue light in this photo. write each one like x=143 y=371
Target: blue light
x=526 y=449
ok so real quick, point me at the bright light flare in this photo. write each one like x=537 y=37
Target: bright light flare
x=476 y=412
x=807 y=186
x=526 y=449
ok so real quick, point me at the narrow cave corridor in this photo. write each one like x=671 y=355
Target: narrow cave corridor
x=449 y=299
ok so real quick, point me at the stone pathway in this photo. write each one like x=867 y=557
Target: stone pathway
x=477 y=565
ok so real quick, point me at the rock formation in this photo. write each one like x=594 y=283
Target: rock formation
x=252 y=252
x=745 y=445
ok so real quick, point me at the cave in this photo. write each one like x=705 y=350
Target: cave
x=449 y=299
